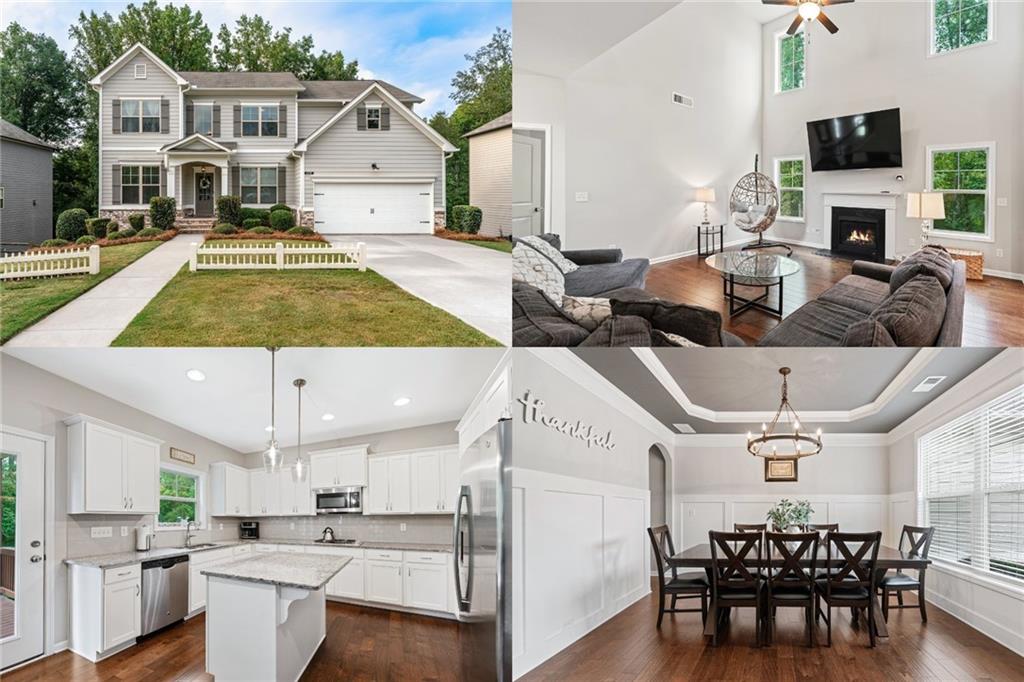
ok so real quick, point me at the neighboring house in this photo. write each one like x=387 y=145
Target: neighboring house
x=26 y=188
x=348 y=156
x=490 y=174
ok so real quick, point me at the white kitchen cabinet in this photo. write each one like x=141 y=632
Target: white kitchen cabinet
x=426 y=586
x=230 y=490
x=294 y=496
x=264 y=493
x=383 y=581
x=198 y=562
x=389 y=488
x=450 y=480
x=338 y=467
x=348 y=583
x=122 y=612
x=111 y=470
x=106 y=609
x=375 y=497
x=435 y=478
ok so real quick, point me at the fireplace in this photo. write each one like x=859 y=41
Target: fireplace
x=859 y=233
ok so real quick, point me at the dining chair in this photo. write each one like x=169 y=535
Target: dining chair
x=737 y=563
x=750 y=527
x=685 y=586
x=789 y=583
x=916 y=541
x=822 y=527
x=853 y=584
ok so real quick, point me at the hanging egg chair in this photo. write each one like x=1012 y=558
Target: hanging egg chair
x=754 y=205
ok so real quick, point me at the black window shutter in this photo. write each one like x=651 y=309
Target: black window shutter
x=360 y=118
x=190 y=119
x=165 y=115
x=216 y=120
x=163 y=181
x=282 y=120
x=115 y=183
x=385 y=118
x=236 y=180
x=115 y=116
x=238 y=120
x=282 y=184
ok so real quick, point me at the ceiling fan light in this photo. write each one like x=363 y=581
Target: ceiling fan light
x=809 y=10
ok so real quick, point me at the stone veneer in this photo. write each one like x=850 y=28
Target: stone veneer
x=440 y=219
x=306 y=219
x=120 y=216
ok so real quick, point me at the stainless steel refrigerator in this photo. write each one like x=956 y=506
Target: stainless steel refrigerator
x=483 y=562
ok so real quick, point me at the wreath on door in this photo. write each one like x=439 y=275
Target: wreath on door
x=204 y=183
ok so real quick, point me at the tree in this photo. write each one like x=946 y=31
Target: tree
x=331 y=66
x=254 y=46
x=39 y=92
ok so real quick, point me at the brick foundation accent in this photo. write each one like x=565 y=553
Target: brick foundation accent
x=120 y=216
x=440 y=220
x=306 y=219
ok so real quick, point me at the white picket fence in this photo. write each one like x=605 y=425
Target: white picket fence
x=51 y=263
x=277 y=256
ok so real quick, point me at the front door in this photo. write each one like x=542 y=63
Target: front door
x=527 y=183
x=22 y=553
x=204 y=194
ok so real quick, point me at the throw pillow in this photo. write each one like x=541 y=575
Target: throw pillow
x=931 y=260
x=700 y=325
x=621 y=332
x=551 y=253
x=537 y=321
x=658 y=336
x=869 y=333
x=586 y=311
x=914 y=313
x=534 y=269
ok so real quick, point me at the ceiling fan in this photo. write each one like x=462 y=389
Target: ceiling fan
x=809 y=10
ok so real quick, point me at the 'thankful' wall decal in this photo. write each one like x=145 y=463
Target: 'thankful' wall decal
x=533 y=414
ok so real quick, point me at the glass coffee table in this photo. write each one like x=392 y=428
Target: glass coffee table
x=760 y=270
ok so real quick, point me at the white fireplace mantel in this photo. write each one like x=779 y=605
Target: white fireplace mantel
x=884 y=201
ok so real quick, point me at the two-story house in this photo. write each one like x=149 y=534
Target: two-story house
x=348 y=156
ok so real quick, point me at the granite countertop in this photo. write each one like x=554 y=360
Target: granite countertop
x=304 y=571
x=361 y=544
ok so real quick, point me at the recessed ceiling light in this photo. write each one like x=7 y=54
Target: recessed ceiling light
x=928 y=384
x=196 y=375
x=402 y=402
x=327 y=417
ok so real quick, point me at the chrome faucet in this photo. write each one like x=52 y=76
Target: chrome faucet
x=188 y=534
x=327 y=531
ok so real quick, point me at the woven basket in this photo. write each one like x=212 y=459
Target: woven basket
x=975 y=261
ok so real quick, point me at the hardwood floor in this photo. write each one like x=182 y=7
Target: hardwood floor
x=362 y=644
x=629 y=647
x=992 y=317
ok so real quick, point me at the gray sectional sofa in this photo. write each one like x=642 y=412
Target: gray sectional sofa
x=601 y=271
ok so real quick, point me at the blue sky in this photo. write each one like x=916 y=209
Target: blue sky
x=416 y=46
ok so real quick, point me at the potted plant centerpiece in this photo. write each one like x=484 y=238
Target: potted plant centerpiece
x=790 y=515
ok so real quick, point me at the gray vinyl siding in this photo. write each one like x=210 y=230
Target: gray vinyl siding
x=312 y=116
x=490 y=180
x=26 y=174
x=140 y=157
x=227 y=102
x=402 y=151
x=123 y=85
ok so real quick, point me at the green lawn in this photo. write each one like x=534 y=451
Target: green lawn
x=293 y=308
x=25 y=302
x=505 y=246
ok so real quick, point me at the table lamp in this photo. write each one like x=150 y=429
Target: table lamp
x=926 y=206
x=707 y=195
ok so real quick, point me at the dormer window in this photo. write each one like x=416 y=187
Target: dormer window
x=373 y=118
x=140 y=71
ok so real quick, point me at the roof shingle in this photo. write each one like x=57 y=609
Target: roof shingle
x=13 y=132
x=503 y=121
x=242 y=79
x=347 y=90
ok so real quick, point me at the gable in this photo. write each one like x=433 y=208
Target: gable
x=157 y=81
x=130 y=56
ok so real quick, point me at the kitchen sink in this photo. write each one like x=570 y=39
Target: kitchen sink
x=199 y=545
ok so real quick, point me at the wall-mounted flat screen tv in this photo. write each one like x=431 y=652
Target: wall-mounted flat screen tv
x=872 y=140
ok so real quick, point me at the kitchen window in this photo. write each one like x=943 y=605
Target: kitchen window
x=140 y=115
x=181 y=495
x=957 y=24
x=971 y=488
x=963 y=174
x=259 y=185
x=203 y=114
x=259 y=120
x=789 y=177
x=139 y=184
x=373 y=118
x=790 y=59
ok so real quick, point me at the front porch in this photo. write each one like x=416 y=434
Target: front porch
x=198 y=171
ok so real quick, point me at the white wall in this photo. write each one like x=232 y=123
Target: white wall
x=879 y=60
x=538 y=99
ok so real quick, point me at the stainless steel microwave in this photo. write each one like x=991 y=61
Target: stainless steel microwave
x=339 y=501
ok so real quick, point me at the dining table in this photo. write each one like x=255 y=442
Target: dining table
x=889 y=558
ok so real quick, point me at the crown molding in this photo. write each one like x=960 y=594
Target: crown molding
x=726 y=440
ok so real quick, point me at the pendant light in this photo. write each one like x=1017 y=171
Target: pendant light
x=272 y=455
x=300 y=469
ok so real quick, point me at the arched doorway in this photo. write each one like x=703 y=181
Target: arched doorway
x=659 y=475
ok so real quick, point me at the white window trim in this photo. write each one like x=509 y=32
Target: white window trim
x=258 y=184
x=2 y=197
x=202 y=520
x=931 y=31
x=374 y=107
x=803 y=188
x=139 y=165
x=145 y=73
x=259 y=105
x=990 y=204
x=140 y=100
x=778 y=61
x=195 y=106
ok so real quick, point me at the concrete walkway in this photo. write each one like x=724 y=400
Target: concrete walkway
x=99 y=315
x=471 y=282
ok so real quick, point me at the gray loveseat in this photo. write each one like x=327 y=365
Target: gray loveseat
x=601 y=271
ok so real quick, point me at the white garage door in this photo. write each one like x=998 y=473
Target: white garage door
x=374 y=208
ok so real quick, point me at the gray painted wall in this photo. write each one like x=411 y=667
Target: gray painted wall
x=26 y=174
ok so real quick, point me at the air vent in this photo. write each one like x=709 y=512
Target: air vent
x=928 y=384
x=682 y=100
x=684 y=428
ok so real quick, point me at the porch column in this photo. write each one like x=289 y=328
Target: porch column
x=172 y=186
x=225 y=180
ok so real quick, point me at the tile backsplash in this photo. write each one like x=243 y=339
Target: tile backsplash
x=81 y=542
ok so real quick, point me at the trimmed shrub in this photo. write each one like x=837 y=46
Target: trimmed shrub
x=71 y=224
x=150 y=232
x=224 y=228
x=161 y=213
x=302 y=231
x=96 y=227
x=137 y=221
x=279 y=207
x=262 y=229
x=260 y=214
x=49 y=243
x=86 y=240
x=126 y=233
x=466 y=219
x=250 y=223
x=282 y=220
x=229 y=210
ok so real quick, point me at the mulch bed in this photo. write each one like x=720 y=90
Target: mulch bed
x=210 y=236
x=466 y=237
x=164 y=236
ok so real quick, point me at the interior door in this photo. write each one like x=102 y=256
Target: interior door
x=527 y=183
x=22 y=553
x=204 y=194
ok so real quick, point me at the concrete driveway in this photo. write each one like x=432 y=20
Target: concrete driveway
x=470 y=282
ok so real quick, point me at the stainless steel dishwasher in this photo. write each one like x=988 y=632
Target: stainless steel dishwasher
x=164 y=592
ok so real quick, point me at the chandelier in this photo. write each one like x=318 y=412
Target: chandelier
x=795 y=444
x=272 y=455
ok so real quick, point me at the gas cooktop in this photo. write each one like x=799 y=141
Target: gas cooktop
x=338 y=541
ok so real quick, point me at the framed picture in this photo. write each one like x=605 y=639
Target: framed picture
x=778 y=469
x=182 y=456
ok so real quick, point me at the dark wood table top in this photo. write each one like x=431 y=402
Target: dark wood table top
x=699 y=556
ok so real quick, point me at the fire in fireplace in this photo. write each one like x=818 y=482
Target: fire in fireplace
x=859 y=233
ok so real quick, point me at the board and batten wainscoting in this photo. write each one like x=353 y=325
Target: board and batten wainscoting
x=586 y=561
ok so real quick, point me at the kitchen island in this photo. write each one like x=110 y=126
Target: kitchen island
x=266 y=615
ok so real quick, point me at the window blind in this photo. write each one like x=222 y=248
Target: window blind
x=971 y=487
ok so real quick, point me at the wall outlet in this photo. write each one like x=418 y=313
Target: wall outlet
x=999 y=253
x=401 y=527
x=582 y=196
x=1002 y=201
x=101 y=532
x=124 y=531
